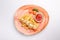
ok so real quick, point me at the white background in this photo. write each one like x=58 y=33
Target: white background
x=8 y=30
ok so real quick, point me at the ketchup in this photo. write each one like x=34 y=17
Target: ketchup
x=38 y=17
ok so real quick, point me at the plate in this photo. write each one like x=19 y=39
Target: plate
x=28 y=9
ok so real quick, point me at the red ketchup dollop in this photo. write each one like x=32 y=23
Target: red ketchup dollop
x=38 y=17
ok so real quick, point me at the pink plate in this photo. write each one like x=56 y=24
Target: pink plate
x=24 y=9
